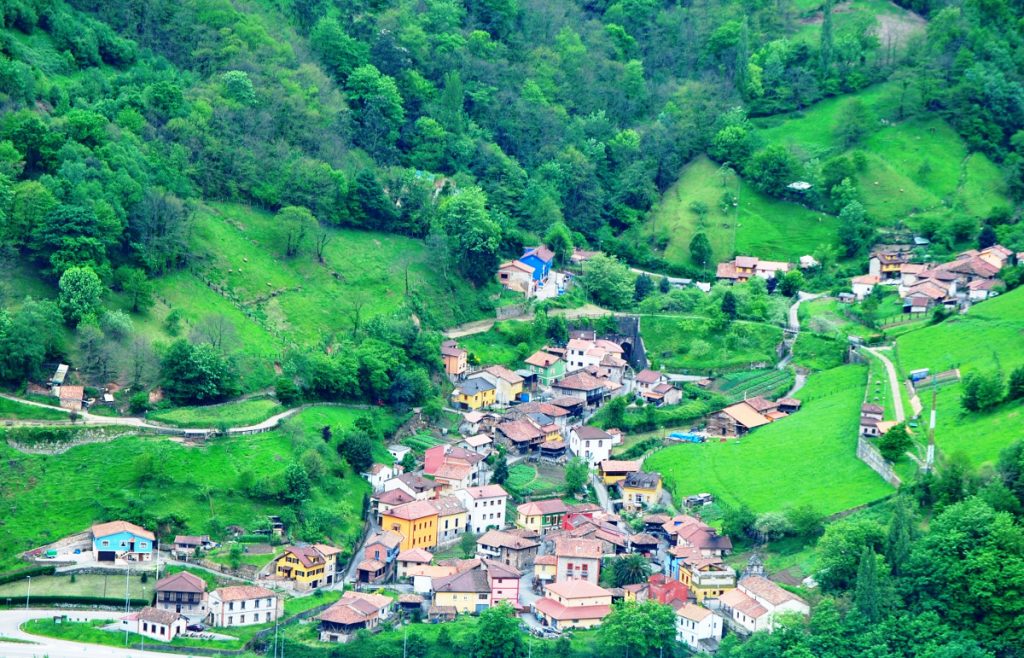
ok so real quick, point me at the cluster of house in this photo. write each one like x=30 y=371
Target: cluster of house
x=182 y=600
x=738 y=419
x=970 y=277
x=564 y=548
x=742 y=268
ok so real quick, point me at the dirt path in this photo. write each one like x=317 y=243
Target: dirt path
x=894 y=382
x=482 y=326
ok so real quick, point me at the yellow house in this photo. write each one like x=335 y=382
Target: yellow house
x=474 y=393
x=614 y=471
x=640 y=490
x=541 y=515
x=706 y=577
x=507 y=384
x=468 y=592
x=415 y=521
x=545 y=568
x=307 y=566
x=452 y=517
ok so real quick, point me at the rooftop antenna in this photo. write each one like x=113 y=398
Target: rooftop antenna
x=929 y=462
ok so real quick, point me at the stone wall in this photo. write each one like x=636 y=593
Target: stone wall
x=869 y=454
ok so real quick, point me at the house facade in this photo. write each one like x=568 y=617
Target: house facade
x=485 y=507
x=452 y=518
x=517 y=276
x=155 y=623
x=355 y=611
x=468 y=592
x=573 y=604
x=182 y=593
x=548 y=367
x=698 y=628
x=309 y=567
x=578 y=559
x=121 y=541
x=541 y=515
x=243 y=605
x=415 y=521
x=592 y=444
x=504 y=547
x=756 y=603
x=474 y=393
x=456 y=359
x=640 y=490
x=540 y=260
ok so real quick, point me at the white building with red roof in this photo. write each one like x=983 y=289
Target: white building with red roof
x=573 y=604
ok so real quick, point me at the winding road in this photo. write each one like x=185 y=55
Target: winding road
x=45 y=647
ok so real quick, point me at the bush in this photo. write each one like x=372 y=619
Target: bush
x=21 y=574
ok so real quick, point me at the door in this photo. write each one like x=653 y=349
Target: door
x=177 y=608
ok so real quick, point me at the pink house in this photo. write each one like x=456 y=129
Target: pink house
x=504 y=581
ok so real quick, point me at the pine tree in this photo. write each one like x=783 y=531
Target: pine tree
x=901 y=534
x=826 y=47
x=866 y=596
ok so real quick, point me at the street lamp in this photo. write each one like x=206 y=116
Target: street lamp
x=28 y=594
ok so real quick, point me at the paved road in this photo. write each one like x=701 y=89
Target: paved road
x=10 y=627
x=602 y=493
x=894 y=382
x=794 y=327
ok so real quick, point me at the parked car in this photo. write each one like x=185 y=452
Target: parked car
x=196 y=628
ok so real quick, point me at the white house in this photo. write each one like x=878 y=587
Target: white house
x=154 y=623
x=580 y=354
x=863 y=285
x=379 y=474
x=485 y=505
x=698 y=627
x=592 y=444
x=243 y=605
x=398 y=451
x=756 y=602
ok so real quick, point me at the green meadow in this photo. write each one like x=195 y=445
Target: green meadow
x=201 y=488
x=916 y=169
x=680 y=343
x=232 y=414
x=807 y=458
x=759 y=225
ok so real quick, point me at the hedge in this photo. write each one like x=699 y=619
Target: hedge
x=21 y=574
x=87 y=600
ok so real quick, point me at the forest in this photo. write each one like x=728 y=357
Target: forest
x=150 y=149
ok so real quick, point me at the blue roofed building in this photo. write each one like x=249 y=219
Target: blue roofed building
x=121 y=541
x=540 y=259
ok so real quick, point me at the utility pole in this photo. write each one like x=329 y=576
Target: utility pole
x=28 y=594
x=127 y=577
x=929 y=462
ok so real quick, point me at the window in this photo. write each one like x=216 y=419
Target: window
x=145 y=627
x=241 y=620
x=231 y=605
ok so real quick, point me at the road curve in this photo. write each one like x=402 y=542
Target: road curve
x=45 y=647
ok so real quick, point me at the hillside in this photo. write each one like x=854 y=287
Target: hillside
x=757 y=224
x=183 y=489
x=820 y=438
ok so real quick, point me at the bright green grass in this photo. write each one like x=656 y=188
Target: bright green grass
x=96 y=482
x=818 y=352
x=980 y=436
x=273 y=302
x=767 y=228
x=826 y=316
x=111 y=586
x=688 y=343
x=12 y=409
x=232 y=414
x=222 y=555
x=808 y=457
x=506 y=343
x=895 y=184
x=990 y=333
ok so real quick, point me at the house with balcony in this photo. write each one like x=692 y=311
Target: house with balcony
x=182 y=593
x=122 y=542
x=504 y=547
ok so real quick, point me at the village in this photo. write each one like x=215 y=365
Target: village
x=445 y=538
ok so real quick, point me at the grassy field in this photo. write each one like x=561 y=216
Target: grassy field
x=782 y=464
x=541 y=479
x=892 y=23
x=825 y=316
x=233 y=414
x=687 y=343
x=15 y=410
x=914 y=169
x=760 y=226
x=818 y=352
x=990 y=334
x=201 y=487
x=112 y=586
